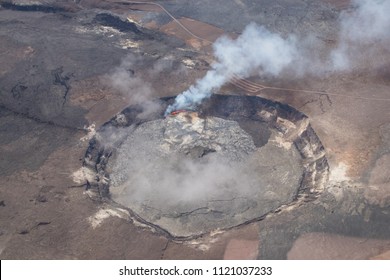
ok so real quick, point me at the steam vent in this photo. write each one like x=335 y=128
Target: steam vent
x=232 y=161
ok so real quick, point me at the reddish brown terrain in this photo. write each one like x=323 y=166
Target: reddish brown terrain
x=64 y=73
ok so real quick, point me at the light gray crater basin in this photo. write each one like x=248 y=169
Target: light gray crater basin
x=192 y=175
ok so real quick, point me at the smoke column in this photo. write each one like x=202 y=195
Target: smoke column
x=255 y=50
x=363 y=32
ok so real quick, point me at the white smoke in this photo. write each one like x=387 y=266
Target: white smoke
x=125 y=80
x=363 y=32
x=130 y=81
x=256 y=50
x=181 y=181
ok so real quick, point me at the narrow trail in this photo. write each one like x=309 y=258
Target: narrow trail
x=245 y=84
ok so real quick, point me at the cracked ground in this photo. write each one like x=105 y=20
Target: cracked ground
x=56 y=60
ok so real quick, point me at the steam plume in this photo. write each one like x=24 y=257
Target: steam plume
x=363 y=32
x=255 y=50
x=132 y=85
x=124 y=80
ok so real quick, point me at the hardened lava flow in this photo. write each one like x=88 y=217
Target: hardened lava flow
x=232 y=161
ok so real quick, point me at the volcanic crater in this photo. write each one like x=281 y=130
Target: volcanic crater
x=231 y=162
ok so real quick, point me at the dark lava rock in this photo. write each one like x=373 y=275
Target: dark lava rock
x=117 y=23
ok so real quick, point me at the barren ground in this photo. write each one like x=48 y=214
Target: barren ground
x=55 y=63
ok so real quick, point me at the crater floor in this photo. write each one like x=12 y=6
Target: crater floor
x=191 y=175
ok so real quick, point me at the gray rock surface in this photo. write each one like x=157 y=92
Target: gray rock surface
x=191 y=175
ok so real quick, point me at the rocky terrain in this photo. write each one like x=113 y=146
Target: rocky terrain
x=188 y=175
x=71 y=73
